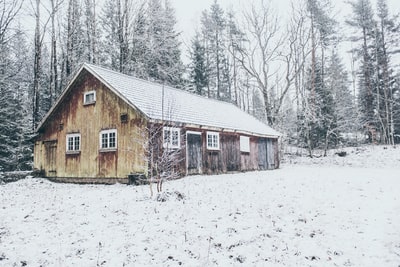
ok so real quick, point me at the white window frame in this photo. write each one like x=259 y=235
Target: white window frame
x=170 y=144
x=214 y=141
x=89 y=93
x=107 y=147
x=74 y=137
x=244 y=144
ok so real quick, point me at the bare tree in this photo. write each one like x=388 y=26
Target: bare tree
x=9 y=10
x=53 y=90
x=262 y=50
x=161 y=160
x=162 y=146
x=37 y=65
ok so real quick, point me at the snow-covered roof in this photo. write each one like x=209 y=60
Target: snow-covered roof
x=161 y=102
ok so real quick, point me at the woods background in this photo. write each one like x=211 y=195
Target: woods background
x=288 y=73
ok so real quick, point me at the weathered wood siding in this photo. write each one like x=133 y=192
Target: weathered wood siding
x=72 y=116
x=229 y=158
x=267 y=154
x=249 y=160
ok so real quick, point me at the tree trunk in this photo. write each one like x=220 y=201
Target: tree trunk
x=36 y=69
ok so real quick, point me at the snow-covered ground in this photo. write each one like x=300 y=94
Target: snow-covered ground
x=334 y=211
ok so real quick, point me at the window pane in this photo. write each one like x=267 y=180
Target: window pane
x=167 y=136
x=104 y=140
x=175 y=138
x=89 y=98
x=70 y=143
x=111 y=137
x=209 y=140
x=77 y=143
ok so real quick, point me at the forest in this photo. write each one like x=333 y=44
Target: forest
x=290 y=74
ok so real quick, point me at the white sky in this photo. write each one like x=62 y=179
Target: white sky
x=188 y=12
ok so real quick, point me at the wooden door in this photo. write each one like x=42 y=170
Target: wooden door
x=270 y=155
x=266 y=154
x=194 y=153
x=51 y=158
x=262 y=154
x=230 y=151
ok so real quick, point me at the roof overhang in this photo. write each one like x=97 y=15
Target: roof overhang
x=212 y=128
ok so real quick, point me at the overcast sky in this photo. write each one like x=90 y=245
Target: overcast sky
x=188 y=12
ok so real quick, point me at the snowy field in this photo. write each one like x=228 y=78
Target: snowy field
x=334 y=211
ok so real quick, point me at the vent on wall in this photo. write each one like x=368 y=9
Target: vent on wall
x=124 y=117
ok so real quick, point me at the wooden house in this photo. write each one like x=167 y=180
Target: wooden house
x=98 y=131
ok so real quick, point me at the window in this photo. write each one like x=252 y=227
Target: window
x=244 y=144
x=108 y=139
x=213 y=140
x=171 y=137
x=124 y=117
x=89 y=98
x=73 y=143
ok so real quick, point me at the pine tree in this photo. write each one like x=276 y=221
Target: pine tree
x=386 y=43
x=164 y=62
x=319 y=117
x=140 y=51
x=198 y=67
x=214 y=35
x=235 y=40
x=15 y=148
x=75 y=39
x=322 y=30
x=344 y=109
x=363 y=21
x=92 y=32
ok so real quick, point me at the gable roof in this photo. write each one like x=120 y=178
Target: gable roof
x=163 y=103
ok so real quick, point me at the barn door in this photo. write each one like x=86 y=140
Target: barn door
x=266 y=154
x=262 y=154
x=194 y=153
x=231 y=157
x=270 y=155
x=50 y=158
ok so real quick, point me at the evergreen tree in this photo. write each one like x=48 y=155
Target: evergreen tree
x=319 y=117
x=198 y=67
x=322 y=31
x=236 y=38
x=109 y=23
x=164 y=62
x=396 y=109
x=386 y=45
x=75 y=39
x=15 y=148
x=22 y=80
x=140 y=51
x=92 y=31
x=143 y=42
x=214 y=36
x=344 y=109
x=363 y=21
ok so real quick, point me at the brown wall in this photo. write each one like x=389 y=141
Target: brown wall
x=72 y=116
x=229 y=157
